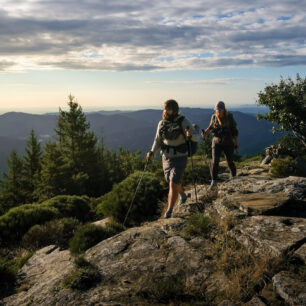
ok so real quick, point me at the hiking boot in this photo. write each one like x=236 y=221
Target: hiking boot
x=182 y=198
x=212 y=184
x=168 y=213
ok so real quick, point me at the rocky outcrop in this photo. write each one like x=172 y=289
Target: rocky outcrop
x=40 y=277
x=138 y=263
x=291 y=289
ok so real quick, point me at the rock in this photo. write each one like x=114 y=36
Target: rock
x=291 y=289
x=225 y=209
x=42 y=275
x=226 y=303
x=102 y=222
x=266 y=160
x=127 y=262
x=293 y=186
x=259 y=203
x=301 y=252
x=257 y=171
x=270 y=235
x=132 y=260
x=256 y=301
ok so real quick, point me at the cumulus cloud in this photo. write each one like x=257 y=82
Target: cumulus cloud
x=151 y=35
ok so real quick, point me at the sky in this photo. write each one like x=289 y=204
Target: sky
x=120 y=54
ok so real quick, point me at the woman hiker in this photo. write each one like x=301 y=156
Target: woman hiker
x=171 y=136
x=225 y=138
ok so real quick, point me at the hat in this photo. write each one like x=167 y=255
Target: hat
x=220 y=106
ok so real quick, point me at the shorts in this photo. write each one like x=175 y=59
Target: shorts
x=174 y=168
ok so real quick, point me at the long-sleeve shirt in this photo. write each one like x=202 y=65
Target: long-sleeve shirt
x=181 y=139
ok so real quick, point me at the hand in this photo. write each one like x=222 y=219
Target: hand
x=149 y=155
x=203 y=134
x=188 y=133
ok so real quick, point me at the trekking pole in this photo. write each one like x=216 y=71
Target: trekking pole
x=133 y=199
x=205 y=156
x=192 y=168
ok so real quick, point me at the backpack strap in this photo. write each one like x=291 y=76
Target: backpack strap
x=180 y=121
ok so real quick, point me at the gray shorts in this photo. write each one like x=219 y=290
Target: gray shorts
x=174 y=168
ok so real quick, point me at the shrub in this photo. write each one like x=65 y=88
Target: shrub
x=116 y=203
x=114 y=228
x=164 y=289
x=199 y=225
x=201 y=173
x=8 y=271
x=87 y=236
x=282 y=167
x=18 y=220
x=292 y=145
x=7 y=276
x=70 y=206
x=56 y=232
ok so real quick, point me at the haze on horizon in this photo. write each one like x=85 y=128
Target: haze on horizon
x=120 y=55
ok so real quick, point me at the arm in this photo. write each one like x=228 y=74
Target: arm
x=209 y=127
x=189 y=130
x=156 y=144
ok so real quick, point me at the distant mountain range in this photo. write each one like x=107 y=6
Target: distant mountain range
x=131 y=130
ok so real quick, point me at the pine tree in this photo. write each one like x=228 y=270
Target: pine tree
x=79 y=150
x=32 y=166
x=53 y=176
x=12 y=183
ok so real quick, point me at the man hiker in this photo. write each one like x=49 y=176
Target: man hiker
x=172 y=134
x=225 y=138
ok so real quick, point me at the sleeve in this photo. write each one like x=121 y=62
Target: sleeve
x=157 y=140
x=186 y=124
x=233 y=126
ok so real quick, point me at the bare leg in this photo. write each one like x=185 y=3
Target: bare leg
x=174 y=190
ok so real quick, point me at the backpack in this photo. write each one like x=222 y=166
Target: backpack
x=221 y=132
x=171 y=130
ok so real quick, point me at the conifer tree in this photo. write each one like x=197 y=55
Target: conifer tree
x=12 y=183
x=79 y=150
x=53 y=176
x=32 y=166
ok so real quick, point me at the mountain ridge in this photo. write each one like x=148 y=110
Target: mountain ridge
x=132 y=130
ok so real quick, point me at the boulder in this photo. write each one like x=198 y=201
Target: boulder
x=259 y=203
x=257 y=301
x=291 y=289
x=271 y=235
x=301 y=253
x=41 y=276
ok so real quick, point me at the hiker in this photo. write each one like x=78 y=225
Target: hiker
x=225 y=138
x=171 y=136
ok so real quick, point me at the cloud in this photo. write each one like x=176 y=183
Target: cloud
x=4 y=65
x=121 y=36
